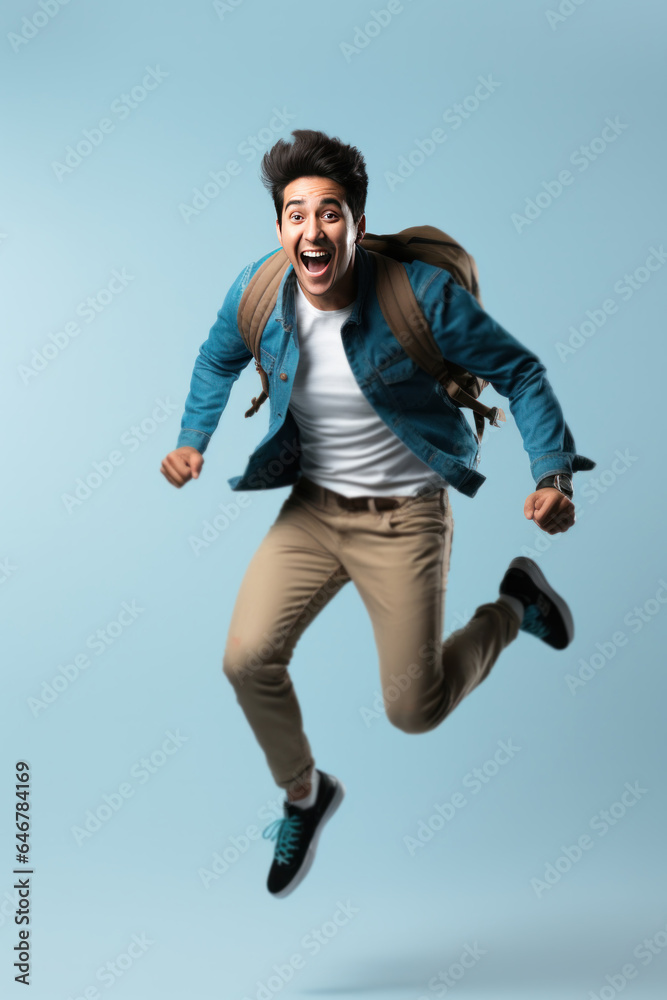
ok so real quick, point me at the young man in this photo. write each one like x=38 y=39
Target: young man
x=370 y=444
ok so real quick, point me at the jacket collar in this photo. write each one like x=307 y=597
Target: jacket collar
x=363 y=269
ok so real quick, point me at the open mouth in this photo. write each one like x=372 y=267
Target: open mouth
x=315 y=261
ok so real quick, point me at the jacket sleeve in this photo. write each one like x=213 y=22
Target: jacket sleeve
x=467 y=335
x=221 y=359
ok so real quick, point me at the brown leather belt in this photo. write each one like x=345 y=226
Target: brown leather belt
x=350 y=503
x=366 y=503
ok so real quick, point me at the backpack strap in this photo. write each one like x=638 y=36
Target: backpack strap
x=259 y=299
x=257 y=303
x=407 y=322
x=433 y=246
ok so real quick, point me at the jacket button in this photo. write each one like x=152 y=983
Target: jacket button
x=283 y=376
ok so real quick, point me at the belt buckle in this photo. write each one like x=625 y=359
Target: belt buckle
x=353 y=503
x=369 y=503
x=395 y=503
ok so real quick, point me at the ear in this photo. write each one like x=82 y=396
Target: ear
x=278 y=233
x=361 y=229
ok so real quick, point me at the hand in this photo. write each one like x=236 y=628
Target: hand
x=182 y=465
x=550 y=509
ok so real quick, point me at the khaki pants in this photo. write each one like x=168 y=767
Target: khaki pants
x=398 y=560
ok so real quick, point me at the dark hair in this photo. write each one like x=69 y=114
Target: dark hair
x=315 y=154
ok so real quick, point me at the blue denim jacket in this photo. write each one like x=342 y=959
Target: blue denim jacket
x=412 y=403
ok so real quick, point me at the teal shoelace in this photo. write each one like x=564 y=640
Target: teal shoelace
x=285 y=832
x=534 y=623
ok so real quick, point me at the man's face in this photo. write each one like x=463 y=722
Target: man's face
x=316 y=218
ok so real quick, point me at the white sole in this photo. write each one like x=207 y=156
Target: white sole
x=537 y=576
x=339 y=794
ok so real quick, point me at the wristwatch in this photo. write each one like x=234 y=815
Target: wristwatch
x=562 y=481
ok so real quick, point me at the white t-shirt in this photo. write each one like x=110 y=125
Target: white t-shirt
x=345 y=445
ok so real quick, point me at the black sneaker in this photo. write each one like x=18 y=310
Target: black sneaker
x=547 y=616
x=296 y=836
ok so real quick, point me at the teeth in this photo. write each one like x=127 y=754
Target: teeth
x=315 y=253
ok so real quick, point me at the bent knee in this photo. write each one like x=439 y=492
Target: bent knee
x=408 y=721
x=241 y=662
x=239 y=668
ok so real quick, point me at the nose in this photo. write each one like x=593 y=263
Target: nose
x=313 y=230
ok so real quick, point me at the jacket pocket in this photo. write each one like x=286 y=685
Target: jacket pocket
x=408 y=385
x=267 y=360
x=397 y=368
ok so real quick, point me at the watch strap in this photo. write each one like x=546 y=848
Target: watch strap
x=561 y=481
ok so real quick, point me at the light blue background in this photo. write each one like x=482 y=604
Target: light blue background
x=68 y=572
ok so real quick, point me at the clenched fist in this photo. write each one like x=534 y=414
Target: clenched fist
x=550 y=509
x=182 y=465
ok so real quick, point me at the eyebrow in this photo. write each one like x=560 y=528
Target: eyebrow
x=323 y=201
